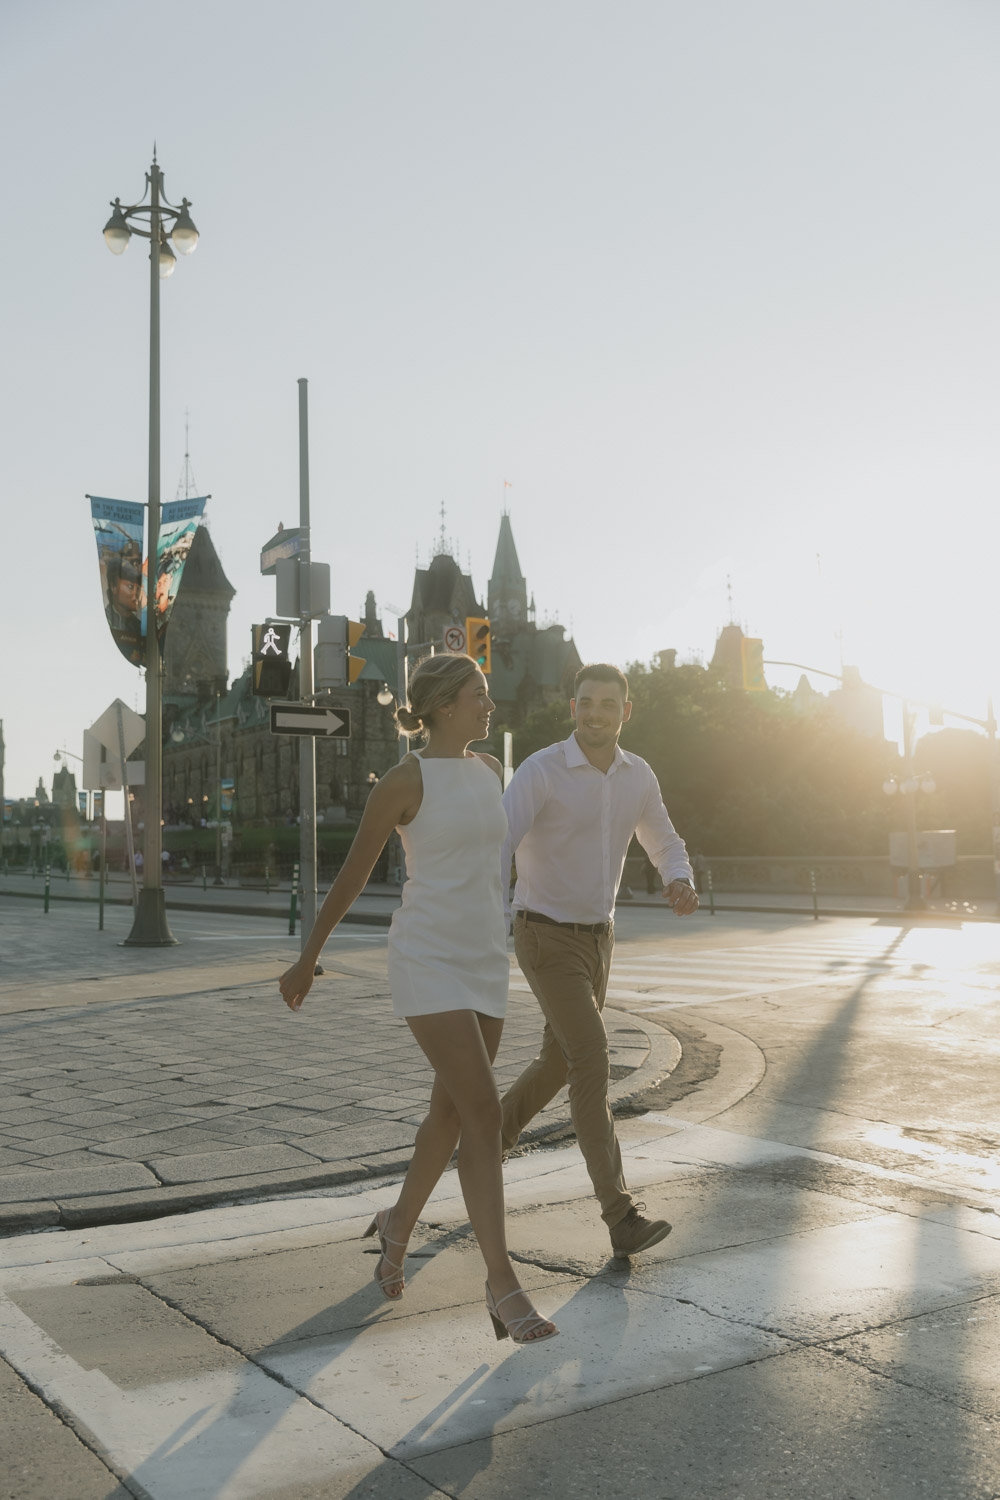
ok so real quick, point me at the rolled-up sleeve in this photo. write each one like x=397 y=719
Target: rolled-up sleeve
x=523 y=800
x=660 y=839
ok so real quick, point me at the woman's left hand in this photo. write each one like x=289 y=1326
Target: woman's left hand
x=296 y=982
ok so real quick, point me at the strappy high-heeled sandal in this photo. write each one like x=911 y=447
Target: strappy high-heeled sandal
x=518 y=1329
x=397 y=1278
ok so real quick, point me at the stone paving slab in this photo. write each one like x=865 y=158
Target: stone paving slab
x=88 y=1180
x=223 y=1089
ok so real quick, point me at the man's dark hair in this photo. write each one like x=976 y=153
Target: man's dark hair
x=601 y=671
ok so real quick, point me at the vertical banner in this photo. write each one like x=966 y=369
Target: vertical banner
x=179 y=520
x=118 y=527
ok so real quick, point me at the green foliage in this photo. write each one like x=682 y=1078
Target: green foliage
x=958 y=759
x=543 y=727
x=750 y=773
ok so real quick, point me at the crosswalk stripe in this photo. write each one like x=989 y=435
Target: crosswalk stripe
x=633 y=972
x=666 y=981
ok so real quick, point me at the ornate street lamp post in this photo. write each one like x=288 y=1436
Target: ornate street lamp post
x=153 y=221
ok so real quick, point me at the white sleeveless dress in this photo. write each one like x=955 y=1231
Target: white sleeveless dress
x=448 y=939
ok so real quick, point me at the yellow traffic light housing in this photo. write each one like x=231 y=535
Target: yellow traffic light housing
x=333 y=664
x=355 y=664
x=477 y=642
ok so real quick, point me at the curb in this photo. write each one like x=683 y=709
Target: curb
x=88 y=1211
x=228 y=909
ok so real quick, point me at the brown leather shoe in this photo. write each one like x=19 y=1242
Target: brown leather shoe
x=635 y=1233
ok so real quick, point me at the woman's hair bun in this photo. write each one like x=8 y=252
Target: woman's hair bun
x=408 y=721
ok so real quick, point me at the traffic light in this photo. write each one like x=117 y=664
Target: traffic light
x=333 y=664
x=270 y=665
x=477 y=642
x=752 y=661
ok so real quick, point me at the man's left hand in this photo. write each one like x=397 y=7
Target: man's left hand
x=682 y=897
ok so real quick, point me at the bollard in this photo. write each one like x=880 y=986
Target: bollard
x=711 y=894
x=48 y=881
x=204 y=879
x=267 y=879
x=812 y=882
x=291 y=904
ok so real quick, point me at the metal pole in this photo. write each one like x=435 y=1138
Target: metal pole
x=994 y=753
x=218 y=790
x=914 y=896
x=812 y=882
x=402 y=677
x=129 y=836
x=398 y=875
x=291 y=904
x=102 y=872
x=149 y=928
x=711 y=892
x=307 y=745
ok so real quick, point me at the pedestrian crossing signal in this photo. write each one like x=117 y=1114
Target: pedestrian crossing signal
x=477 y=636
x=270 y=666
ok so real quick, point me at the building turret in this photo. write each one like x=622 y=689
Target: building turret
x=507 y=597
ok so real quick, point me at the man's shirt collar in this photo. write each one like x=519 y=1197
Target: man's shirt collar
x=575 y=756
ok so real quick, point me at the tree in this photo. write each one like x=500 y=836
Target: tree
x=958 y=759
x=749 y=773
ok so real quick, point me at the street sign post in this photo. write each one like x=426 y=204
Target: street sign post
x=116 y=734
x=302 y=718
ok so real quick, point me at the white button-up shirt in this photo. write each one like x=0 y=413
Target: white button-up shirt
x=570 y=826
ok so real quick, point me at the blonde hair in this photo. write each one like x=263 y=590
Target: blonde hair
x=435 y=682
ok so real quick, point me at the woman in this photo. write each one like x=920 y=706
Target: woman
x=448 y=966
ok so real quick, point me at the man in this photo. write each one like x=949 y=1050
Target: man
x=572 y=810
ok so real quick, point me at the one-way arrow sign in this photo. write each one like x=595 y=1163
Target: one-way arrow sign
x=300 y=718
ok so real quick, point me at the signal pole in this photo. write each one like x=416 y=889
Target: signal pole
x=307 y=746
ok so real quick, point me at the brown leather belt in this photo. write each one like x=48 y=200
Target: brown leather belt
x=596 y=928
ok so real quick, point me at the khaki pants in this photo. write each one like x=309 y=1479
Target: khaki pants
x=568 y=973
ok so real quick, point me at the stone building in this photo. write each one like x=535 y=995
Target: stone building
x=195 y=653
x=531 y=664
x=217 y=734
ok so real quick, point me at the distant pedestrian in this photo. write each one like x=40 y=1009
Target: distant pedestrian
x=572 y=810
x=448 y=966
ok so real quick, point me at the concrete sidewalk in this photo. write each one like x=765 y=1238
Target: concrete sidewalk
x=812 y=1328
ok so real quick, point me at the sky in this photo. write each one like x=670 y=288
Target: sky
x=713 y=287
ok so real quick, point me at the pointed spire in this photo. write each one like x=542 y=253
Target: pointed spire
x=506 y=568
x=507 y=597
